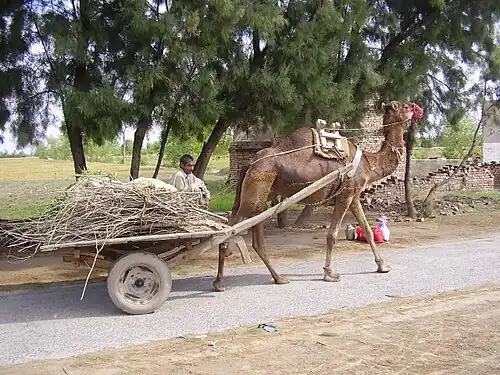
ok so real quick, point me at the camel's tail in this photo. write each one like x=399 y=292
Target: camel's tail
x=241 y=177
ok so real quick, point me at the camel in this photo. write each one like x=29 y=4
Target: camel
x=292 y=164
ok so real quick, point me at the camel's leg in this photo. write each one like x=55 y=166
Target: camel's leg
x=219 y=281
x=253 y=199
x=342 y=203
x=358 y=213
x=224 y=252
x=258 y=245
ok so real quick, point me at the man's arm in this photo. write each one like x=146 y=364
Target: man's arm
x=203 y=188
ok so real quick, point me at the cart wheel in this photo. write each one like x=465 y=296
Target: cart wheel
x=139 y=283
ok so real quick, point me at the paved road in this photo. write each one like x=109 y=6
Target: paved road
x=54 y=323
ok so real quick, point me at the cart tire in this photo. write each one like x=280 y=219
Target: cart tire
x=139 y=283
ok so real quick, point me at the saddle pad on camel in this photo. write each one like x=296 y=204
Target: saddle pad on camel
x=324 y=145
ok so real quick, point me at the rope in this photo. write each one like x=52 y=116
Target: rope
x=281 y=153
x=372 y=130
x=311 y=146
x=397 y=151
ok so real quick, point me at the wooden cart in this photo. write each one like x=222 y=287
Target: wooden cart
x=139 y=279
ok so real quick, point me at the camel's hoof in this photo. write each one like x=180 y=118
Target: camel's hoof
x=383 y=268
x=281 y=280
x=219 y=286
x=331 y=278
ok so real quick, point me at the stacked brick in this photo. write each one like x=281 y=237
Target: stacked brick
x=475 y=176
x=494 y=168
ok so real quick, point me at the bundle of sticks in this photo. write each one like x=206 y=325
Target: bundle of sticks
x=100 y=209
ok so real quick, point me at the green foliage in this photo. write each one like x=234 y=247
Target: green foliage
x=17 y=84
x=58 y=148
x=430 y=48
x=6 y=154
x=178 y=146
x=457 y=140
x=427 y=152
x=222 y=195
x=186 y=65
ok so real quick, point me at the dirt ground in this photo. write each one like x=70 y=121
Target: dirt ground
x=449 y=333
x=283 y=245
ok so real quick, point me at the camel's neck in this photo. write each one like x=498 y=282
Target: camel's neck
x=386 y=160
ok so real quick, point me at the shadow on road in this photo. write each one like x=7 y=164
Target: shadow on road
x=55 y=303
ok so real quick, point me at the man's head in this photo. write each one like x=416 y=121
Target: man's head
x=187 y=163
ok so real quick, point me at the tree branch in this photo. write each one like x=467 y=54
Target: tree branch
x=427 y=201
x=42 y=93
x=458 y=96
x=407 y=32
x=45 y=49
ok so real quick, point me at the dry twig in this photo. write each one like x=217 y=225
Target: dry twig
x=100 y=209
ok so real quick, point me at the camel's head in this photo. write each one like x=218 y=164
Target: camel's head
x=401 y=113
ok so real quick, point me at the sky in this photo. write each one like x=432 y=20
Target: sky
x=9 y=144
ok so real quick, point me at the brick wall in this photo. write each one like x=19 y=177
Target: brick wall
x=494 y=168
x=241 y=154
x=472 y=177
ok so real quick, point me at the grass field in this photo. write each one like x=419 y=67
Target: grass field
x=34 y=169
x=28 y=185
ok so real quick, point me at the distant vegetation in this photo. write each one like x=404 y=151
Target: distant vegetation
x=453 y=143
x=114 y=152
x=5 y=154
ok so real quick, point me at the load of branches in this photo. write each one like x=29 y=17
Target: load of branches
x=101 y=209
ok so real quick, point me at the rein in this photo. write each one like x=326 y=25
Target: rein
x=395 y=149
x=282 y=153
x=379 y=127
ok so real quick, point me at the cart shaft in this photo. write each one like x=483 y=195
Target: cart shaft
x=287 y=202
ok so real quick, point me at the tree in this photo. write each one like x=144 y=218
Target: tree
x=456 y=139
x=163 y=60
x=409 y=142
x=427 y=205
x=248 y=88
x=16 y=88
x=68 y=72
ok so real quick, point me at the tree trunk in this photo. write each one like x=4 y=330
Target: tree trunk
x=76 y=145
x=410 y=206
x=282 y=217
x=74 y=131
x=304 y=216
x=124 y=154
x=209 y=147
x=161 y=153
x=142 y=128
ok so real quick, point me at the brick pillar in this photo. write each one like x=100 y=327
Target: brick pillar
x=241 y=154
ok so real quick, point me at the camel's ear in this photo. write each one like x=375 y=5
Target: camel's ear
x=382 y=106
x=394 y=106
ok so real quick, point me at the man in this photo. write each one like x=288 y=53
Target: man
x=185 y=180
